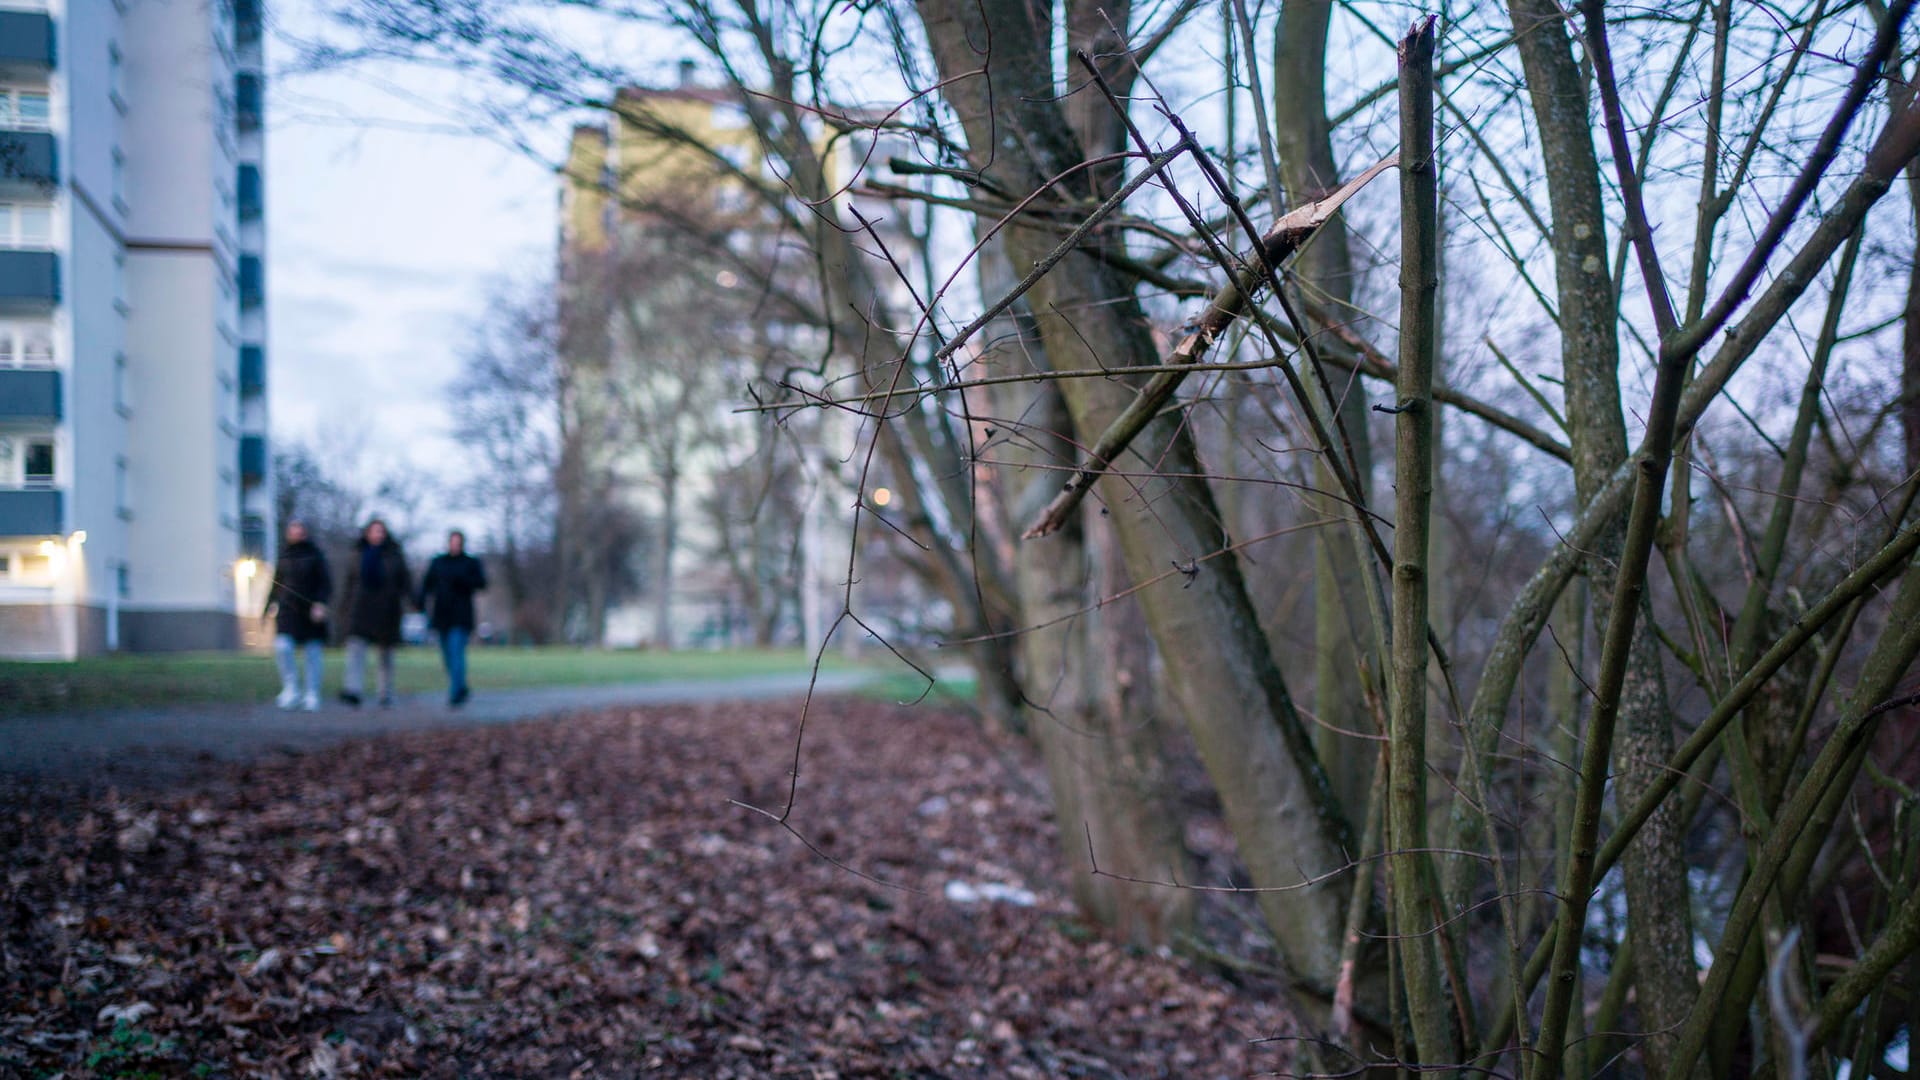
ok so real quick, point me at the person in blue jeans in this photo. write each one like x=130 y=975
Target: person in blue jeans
x=297 y=603
x=446 y=595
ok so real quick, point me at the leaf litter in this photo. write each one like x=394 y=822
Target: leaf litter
x=576 y=896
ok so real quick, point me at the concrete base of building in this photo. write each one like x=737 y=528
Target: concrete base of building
x=178 y=631
x=52 y=631
x=69 y=631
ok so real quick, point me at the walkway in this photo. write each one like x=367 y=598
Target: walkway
x=151 y=747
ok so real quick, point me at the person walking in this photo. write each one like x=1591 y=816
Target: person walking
x=378 y=588
x=446 y=595
x=297 y=603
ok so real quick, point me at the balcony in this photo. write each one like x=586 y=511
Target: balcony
x=246 y=22
x=29 y=278
x=29 y=396
x=247 y=101
x=30 y=513
x=253 y=459
x=253 y=283
x=27 y=157
x=26 y=39
x=250 y=194
x=253 y=536
x=253 y=370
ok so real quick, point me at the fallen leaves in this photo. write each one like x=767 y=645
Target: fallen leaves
x=578 y=897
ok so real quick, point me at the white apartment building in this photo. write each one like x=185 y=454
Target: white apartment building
x=135 y=500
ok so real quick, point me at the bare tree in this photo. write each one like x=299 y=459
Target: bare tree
x=1720 y=459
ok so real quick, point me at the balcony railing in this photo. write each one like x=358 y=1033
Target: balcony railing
x=253 y=283
x=247 y=98
x=29 y=277
x=253 y=370
x=29 y=395
x=27 y=156
x=253 y=458
x=26 y=38
x=250 y=193
x=30 y=513
x=247 y=22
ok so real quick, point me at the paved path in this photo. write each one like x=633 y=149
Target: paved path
x=147 y=747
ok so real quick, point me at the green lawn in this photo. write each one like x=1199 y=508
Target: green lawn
x=187 y=678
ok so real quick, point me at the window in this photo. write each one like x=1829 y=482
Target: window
x=120 y=399
x=25 y=110
x=120 y=489
x=122 y=580
x=6 y=566
x=36 y=347
x=26 y=345
x=116 y=86
x=26 y=225
x=119 y=180
x=39 y=465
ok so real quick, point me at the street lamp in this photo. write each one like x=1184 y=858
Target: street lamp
x=245 y=569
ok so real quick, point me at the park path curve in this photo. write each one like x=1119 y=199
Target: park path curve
x=156 y=747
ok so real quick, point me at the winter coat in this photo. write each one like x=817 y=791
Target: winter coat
x=371 y=609
x=446 y=593
x=300 y=580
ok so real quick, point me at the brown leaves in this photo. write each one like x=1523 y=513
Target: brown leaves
x=577 y=897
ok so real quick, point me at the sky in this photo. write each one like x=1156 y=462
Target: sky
x=388 y=230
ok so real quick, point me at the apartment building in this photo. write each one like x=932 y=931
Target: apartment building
x=671 y=171
x=135 y=498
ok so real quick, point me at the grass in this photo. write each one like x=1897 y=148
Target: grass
x=908 y=688
x=138 y=681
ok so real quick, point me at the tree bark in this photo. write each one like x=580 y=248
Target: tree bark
x=1343 y=640
x=1277 y=800
x=663 y=565
x=1655 y=870
x=1414 y=908
x=1082 y=679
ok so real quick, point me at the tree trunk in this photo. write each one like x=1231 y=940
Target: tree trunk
x=1655 y=869
x=1082 y=672
x=1910 y=332
x=1278 y=803
x=663 y=563
x=1343 y=639
x=1407 y=809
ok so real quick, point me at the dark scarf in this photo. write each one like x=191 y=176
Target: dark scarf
x=373 y=568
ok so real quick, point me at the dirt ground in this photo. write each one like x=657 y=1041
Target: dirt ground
x=578 y=897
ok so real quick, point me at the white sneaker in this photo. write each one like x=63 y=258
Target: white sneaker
x=289 y=697
x=311 y=702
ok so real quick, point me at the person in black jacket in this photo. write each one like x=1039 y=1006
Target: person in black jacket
x=446 y=595
x=377 y=591
x=297 y=603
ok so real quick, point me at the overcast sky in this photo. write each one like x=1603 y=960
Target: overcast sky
x=388 y=229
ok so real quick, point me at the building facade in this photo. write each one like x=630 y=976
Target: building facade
x=135 y=499
x=681 y=170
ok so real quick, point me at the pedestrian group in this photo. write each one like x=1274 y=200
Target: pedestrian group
x=374 y=596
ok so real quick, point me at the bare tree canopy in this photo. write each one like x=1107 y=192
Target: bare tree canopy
x=1488 y=450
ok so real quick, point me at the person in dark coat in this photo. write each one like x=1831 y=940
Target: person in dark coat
x=378 y=589
x=446 y=595
x=297 y=602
